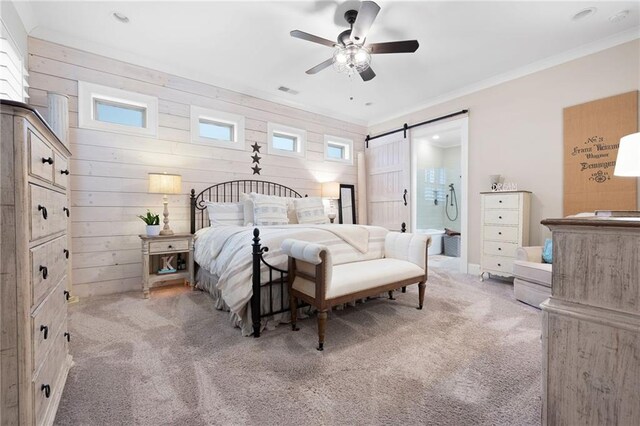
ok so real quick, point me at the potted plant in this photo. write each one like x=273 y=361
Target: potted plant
x=153 y=223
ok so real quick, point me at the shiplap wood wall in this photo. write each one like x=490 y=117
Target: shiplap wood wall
x=109 y=170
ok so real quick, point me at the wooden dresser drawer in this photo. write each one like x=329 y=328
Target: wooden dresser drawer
x=501 y=233
x=46 y=322
x=498 y=264
x=48 y=214
x=502 y=201
x=502 y=217
x=41 y=159
x=50 y=374
x=496 y=248
x=168 y=246
x=51 y=255
x=61 y=174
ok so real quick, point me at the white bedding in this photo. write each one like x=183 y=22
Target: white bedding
x=225 y=252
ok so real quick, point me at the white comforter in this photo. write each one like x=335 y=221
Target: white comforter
x=225 y=251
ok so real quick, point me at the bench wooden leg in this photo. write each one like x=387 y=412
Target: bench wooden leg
x=404 y=289
x=293 y=307
x=421 y=287
x=391 y=295
x=322 y=326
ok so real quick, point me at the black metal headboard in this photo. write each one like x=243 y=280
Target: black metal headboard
x=229 y=192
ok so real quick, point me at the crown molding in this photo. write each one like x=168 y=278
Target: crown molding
x=550 y=62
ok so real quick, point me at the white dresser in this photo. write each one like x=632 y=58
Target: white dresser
x=34 y=254
x=505 y=227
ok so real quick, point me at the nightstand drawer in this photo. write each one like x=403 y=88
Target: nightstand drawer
x=168 y=246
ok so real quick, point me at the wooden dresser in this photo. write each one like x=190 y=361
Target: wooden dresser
x=591 y=324
x=505 y=227
x=34 y=256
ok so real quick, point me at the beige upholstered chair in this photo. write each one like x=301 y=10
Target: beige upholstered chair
x=532 y=283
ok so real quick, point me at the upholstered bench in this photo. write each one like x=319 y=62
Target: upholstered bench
x=314 y=279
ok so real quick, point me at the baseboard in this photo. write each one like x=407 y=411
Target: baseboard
x=473 y=269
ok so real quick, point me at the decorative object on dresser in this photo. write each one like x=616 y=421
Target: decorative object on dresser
x=153 y=223
x=331 y=191
x=34 y=356
x=591 y=323
x=164 y=183
x=504 y=228
x=347 y=204
x=158 y=253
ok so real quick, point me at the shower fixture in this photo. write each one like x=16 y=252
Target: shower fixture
x=454 y=202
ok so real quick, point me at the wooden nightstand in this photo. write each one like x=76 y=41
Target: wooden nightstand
x=155 y=248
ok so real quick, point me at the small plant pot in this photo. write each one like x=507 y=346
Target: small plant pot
x=153 y=230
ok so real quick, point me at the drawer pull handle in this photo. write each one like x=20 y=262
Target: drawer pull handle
x=66 y=210
x=500 y=201
x=170 y=246
x=499 y=217
x=499 y=233
x=68 y=336
x=44 y=211
x=499 y=264
x=45 y=331
x=66 y=172
x=499 y=248
x=45 y=271
x=46 y=389
x=66 y=253
x=66 y=295
x=47 y=160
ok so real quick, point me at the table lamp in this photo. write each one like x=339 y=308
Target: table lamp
x=164 y=183
x=628 y=161
x=331 y=191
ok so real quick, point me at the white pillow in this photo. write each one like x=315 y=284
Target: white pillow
x=247 y=201
x=225 y=213
x=310 y=210
x=269 y=210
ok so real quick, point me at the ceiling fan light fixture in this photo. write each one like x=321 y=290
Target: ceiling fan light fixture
x=351 y=59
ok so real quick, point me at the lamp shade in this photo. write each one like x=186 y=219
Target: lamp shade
x=331 y=190
x=628 y=161
x=164 y=183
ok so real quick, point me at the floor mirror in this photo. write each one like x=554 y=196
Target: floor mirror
x=347 y=204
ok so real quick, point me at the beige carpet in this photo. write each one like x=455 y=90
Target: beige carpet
x=472 y=356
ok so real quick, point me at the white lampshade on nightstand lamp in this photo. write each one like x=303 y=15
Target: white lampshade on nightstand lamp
x=628 y=161
x=331 y=191
x=164 y=183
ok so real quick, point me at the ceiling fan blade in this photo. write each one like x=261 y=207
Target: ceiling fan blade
x=367 y=74
x=320 y=66
x=406 y=46
x=366 y=15
x=310 y=37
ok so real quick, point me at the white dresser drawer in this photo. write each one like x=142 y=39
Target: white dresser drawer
x=48 y=214
x=61 y=167
x=41 y=159
x=496 y=248
x=51 y=255
x=502 y=217
x=498 y=264
x=46 y=322
x=502 y=201
x=168 y=246
x=501 y=233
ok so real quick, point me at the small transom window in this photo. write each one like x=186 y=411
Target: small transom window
x=119 y=113
x=285 y=140
x=338 y=149
x=217 y=128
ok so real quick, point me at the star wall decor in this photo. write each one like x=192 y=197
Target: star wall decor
x=256 y=159
x=256 y=147
x=256 y=170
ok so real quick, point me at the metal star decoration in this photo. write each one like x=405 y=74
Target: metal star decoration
x=256 y=147
x=256 y=159
x=256 y=170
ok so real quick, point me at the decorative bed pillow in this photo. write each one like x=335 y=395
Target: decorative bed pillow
x=291 y=210
x=248 y=209
x=547 y=251
x=226 y=213
x=269 y=210
x=310 y=210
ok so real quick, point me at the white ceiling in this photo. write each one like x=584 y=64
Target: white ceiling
x=245 y=46
x=445 y=138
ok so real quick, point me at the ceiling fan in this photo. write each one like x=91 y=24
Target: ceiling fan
x=351 y=55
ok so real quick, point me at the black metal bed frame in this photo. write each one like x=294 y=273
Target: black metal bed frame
x=230 y=192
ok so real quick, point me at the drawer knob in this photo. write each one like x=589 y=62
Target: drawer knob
x=46 y=389
x=66 y=210
x=67 y=335
x=43 y=209
x=499 y=248
x=499 y=264
x=66 y=172
x=499 y=233
x=47 y=160
x=499 y=217
x=170 y=246
x=66 y=295
x=45 y=331
x=500 y=201
x=66 y=253
x=45 y=271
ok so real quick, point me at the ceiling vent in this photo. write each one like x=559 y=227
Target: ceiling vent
x=619 y=16
x=288 y=90
x=584 y=13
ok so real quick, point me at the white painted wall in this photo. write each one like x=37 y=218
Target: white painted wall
x=14 y=24
x=515 y=128
x=109 y=170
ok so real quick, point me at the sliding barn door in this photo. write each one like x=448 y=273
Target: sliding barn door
x=388 y=181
